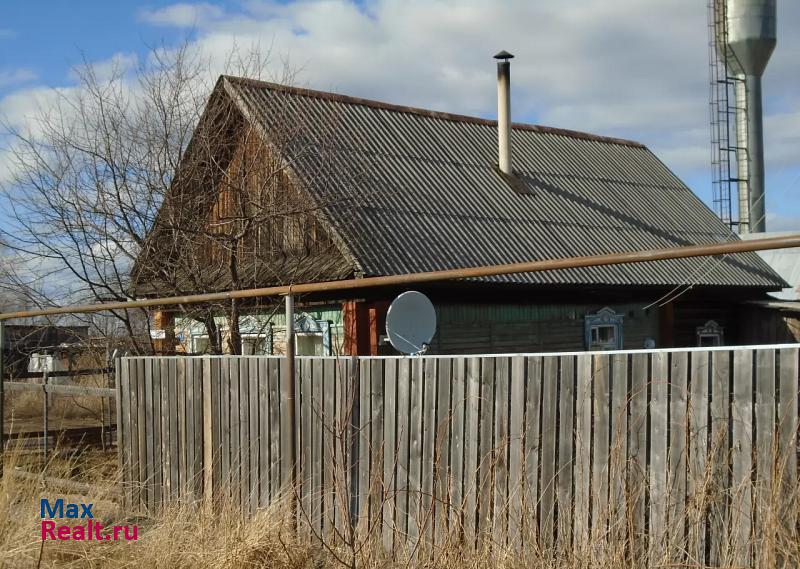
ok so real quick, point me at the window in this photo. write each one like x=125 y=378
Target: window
x=200 y=344
x=255 y=345
x=310 y=345
x=603 y=330
x=604 y=335
x=710 y=334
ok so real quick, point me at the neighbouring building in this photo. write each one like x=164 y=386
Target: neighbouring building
x=397 y=190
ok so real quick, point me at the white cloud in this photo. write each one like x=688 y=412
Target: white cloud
x=182 y=15
x=15 y=77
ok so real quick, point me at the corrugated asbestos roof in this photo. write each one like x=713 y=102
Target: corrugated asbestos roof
x=410 y=190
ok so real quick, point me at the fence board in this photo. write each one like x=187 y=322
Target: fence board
x=403 y=469
x=459 y=405
x=676 y=481
x=742 y=455
x=600 y=445
x=518 y=449
x=583 y=449
x=719 y=457
x=765 y=383
x=501 y=446
x=533 y=416
x=444 y=407
x=516 y=454
x=618 y=446
x=566 y=429
x=548 y=453
x=486 y=448
x=471 y=447
x=698 y=452
x=390 y=453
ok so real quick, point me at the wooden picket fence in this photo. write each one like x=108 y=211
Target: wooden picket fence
x=678 y=454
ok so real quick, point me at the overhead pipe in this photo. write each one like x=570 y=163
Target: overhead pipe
x=731 y=247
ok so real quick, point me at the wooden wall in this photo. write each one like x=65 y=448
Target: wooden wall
x=678 y=454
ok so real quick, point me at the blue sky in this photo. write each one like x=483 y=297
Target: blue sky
x=617 y=67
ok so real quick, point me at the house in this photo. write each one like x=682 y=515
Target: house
x=776 y=318
x=35 y=348
x=398 y=190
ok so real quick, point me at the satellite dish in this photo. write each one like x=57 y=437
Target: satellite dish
x=411 y=323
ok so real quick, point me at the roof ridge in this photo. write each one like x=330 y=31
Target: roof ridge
x=426 y=112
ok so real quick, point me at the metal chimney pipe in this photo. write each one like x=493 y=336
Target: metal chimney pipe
x=504 y=111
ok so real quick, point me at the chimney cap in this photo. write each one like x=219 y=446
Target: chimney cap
x=504 y=55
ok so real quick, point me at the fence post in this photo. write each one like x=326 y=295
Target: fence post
x=290 y=394
x=45 y=421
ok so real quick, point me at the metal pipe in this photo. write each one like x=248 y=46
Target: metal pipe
x=755 y=154
x=742 y=159
x=290 y=390
x=784 y=242
x=504 y=112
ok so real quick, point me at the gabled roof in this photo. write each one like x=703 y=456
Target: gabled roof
x=410 y=190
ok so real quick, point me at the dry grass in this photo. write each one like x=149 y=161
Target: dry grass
x=183 y=537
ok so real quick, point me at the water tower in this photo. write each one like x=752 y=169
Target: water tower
x=743 y=39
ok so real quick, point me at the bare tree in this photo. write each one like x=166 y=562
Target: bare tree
x=132 y=185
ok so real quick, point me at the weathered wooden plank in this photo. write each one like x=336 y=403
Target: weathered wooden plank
x=216 y=427
x=198 y=426
x=188 y=440
x=174 y=434
x=471 y=447
x=226 y=444
x=501 y=448
x=676 y=480
x=742 y=456
x=306 y=418
x=162 y=407
x=486 y=448
x=125 y=435
x=788 y=415
x=328 y=444
x=253 y=437
x=314 y=409
x=566 y=429
x=442 y=451
x=207 y=438
x=234 y=419
x=275 y=428
x=415 y=502
x=141 y=431
x=788 y=428
x=533 y=414
x=244 y=432
x=402 y=472
x=53 y=388
x=619 y=446
x=548 y=454
x=363 y=442
x=149 y=434
x=583 y=450
x=601 y=365
x=155 y=411
x=719 y=457
x=428 y=449
x=659 y=424
x=637 y=453
x=516 y=454
x=458 y=404
x=390 y=453
x=377 y=443
x=698 y=454
x=765 y=385
x=264 y=486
